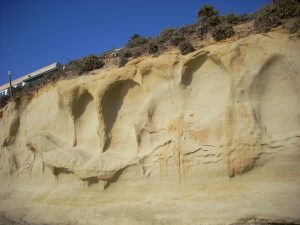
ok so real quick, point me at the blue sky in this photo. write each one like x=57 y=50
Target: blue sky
x=35 y=33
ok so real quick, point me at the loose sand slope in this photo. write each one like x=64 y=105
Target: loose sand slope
x=208 y=138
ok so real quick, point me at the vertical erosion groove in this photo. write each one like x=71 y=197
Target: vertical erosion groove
x=111 y=104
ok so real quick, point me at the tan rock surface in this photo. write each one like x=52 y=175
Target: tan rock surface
x=208 y=138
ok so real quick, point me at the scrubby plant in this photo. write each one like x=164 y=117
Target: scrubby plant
x=266 y=19
x=91 y=62
x=165 y=35
x=292 y=25
x=235 y=19
x=136 y=40
x=230 y=19
x=222 y=31
x=245 y=18
x=208 y=17
x=85 y=64
x=287 y=8
x=202 y=31
x=57 y=74
x=124 y=55
x=272 y=15
x=73 y=66
x=207 y=11
x=177 y=38
x=138 y=51
x=122 y=61
x=186 y=47
x=212 y=21
x=188 y=29
x=152 y=47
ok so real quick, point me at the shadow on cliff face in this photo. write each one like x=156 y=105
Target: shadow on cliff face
x=81 y=104
x=111 y=104
x=191 y=67
x=86 y=120
x=274 y=95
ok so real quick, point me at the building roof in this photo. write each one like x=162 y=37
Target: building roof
x=31 y=75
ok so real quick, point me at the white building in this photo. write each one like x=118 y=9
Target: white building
x=29 y=78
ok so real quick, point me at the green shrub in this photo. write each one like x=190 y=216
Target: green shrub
x=123 y=61
x=202 y=31
x=245 y=18
x=208 y=18
x=85 y=64
x=177 y=38
x=74 y=66
x=207 y=11
x=152 y=47
x=186 y=47
x=165 y=35
x=210 y=22
x=287 y=8
x=292 y=25
x=271 y=15
x=138 y=51
x=266 y=19
x=230 y=19
x=222 y=31
x=124 y=55
x=57 y=74
x=235 y=19
x=136 y=40
x=91 y=62
x=189 y=29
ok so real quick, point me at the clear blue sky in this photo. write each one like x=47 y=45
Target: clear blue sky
x=35 y=33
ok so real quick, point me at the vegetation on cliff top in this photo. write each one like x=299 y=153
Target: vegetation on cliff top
x=274 y=14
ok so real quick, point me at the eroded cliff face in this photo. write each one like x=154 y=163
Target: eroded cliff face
x=208 y=138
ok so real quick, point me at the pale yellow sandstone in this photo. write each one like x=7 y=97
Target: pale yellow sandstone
x=208 y=138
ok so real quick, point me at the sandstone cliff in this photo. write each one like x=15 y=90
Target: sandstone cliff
x=212 y=137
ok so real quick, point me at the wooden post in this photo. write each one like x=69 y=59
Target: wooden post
x=10 y=87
